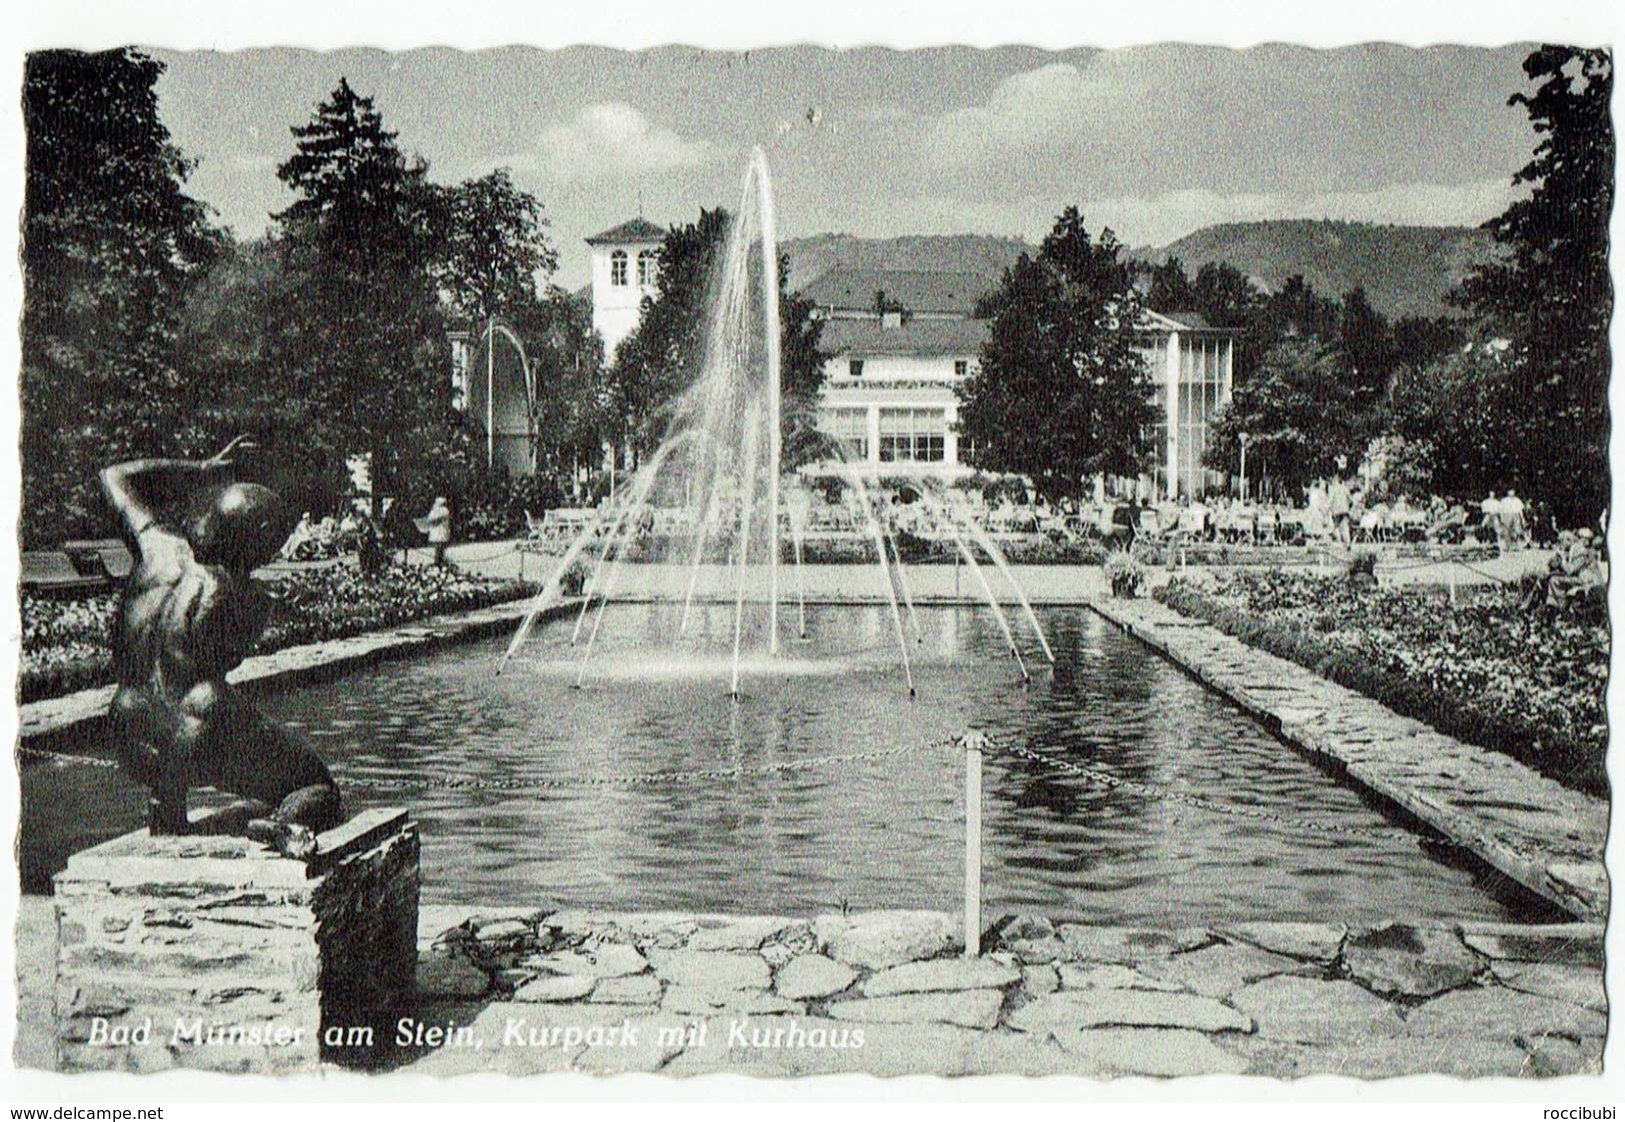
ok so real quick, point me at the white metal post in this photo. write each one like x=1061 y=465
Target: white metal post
x=490 y=395
x=973 y=743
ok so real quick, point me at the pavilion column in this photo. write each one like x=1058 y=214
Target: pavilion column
x=874 y=434
x=950 y=438
x=1171 y=414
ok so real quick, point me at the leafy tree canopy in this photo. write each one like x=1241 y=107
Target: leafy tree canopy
x=1300 y=413
x=111 y=241
x=1062 y=392
x=1552 y=296
x=494 y=247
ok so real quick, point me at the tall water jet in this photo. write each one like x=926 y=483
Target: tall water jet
x=720 y=462
x=720 y=459
x=775 y=377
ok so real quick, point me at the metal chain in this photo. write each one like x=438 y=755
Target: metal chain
x=693 y=775
x=1162 y=794
x=65 y=757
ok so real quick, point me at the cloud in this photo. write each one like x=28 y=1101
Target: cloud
x=608 y=139
x=1058 y=104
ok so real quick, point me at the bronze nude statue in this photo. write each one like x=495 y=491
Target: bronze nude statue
x=188 y=615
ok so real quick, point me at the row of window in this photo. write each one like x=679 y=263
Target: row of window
x=619 y=263
x=854 y=367
x=906 y=435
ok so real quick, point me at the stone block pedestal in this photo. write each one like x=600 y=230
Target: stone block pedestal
x=216 y=953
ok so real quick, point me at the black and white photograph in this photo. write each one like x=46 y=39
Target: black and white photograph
x=862 y=556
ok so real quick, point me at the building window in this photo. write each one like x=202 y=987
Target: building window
x=848 y=430
x=1201 y=392
x=913 y=435
x=617 y=268
x=647 y=268
x=854 y=367
x=961 y=367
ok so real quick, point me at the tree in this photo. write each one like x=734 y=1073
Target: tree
x=110 y=243
x=1225 y=296
x=1062 y=392
x=1420 y=340
x=1367 y=340
x=1299 y=413
x=1170 y=289
x=494 y=246
x=572 y=421
x=663 y=355
x=1551 y=296
x=1297 y=309
x=1464 y=408
x=363 y=339
x=235 y=329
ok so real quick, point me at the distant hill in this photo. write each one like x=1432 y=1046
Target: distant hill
x=982 y=254
x=1405 y=270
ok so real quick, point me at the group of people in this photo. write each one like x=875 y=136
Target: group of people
x=316 y=539
x=1506 y=518
x=1574 y=576
x=1338 y=511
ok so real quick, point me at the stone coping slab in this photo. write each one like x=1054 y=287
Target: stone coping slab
x=1544 y=836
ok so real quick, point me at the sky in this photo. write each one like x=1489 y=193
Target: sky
x=1153 y=141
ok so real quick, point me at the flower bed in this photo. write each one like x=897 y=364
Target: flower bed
x=65 y=642
x=1529 y=684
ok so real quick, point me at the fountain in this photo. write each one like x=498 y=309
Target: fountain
x=719 y=473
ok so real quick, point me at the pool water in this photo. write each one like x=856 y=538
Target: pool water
x=536 y=821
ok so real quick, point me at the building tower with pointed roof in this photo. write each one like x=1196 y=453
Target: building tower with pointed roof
x=625 y=267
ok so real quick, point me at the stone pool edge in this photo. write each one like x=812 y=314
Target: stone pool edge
x=1549 y=844
x=309 y=662
x=1271 y=999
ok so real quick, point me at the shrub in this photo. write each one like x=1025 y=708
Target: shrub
x=1124 y=573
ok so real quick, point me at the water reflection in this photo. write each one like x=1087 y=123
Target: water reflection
x=884 y=833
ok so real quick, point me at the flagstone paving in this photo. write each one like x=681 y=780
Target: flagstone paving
x=1280 y=1000
x=1532 y=829
x=546 y=990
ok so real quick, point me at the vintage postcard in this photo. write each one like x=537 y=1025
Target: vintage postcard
x=959 y=561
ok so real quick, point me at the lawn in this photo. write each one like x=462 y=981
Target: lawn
x=1529 y=683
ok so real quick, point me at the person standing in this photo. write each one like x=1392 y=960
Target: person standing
x=1339 y=504
x=1515 y=528
x=437 y=525
x=1490 y=523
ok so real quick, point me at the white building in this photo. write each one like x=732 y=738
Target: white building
x=890 y=376
x=625 y=267
x=889 y=390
